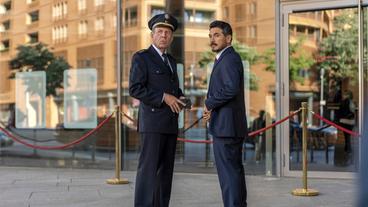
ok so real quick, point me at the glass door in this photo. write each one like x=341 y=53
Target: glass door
x=320 y=66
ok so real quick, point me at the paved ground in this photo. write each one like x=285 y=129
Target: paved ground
x=45 y=187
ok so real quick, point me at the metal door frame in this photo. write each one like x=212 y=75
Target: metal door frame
x=283 y=9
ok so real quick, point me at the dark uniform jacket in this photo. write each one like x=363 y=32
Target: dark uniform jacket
x=149 y=79
x=225 y=96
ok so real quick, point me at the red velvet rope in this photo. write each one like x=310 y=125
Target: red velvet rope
x=195 y=141
x=210 y=141
x=355 y=134
x=272 y=125
x=85 y=136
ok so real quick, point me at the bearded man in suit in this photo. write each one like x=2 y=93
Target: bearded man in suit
x=225 y=110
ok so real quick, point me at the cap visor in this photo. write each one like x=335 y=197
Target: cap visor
x=164 y=25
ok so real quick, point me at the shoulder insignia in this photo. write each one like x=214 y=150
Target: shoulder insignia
x=142 y=51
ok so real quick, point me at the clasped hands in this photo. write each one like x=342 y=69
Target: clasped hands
x=176 y=104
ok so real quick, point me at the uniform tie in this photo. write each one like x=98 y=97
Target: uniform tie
x=166 y=61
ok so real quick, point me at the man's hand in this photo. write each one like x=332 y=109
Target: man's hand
x=175 y=104
x=187 y=102
x=206 y=113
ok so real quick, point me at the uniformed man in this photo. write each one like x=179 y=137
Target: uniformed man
x=154 y=81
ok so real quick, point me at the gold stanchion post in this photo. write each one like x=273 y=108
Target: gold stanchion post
x=305 y=191
x=117 y=179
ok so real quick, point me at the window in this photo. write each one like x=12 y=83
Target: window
x=32 y=17
x=99 y=24
x=301 y=29
x=131 y=16
x=252 y=32
x=253 y=8
x=226 y=12
x=157 y=10
x=82 y=5
x=5 y=26
x=240 y=12
x=5 y=7
x=4 y=46
x=188 y=15
x=114 y=21
x=203 y=16
x=60 y=33
x=83 y=28
x=60 y=10
x=311 y=32
x=99 y=2
x=32 y=37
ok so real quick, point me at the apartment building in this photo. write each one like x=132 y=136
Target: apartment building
x=83 y=32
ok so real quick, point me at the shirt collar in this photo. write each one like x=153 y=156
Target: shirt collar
x=158 y=50
x=220 y=53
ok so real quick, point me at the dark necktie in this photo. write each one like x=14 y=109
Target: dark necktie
x=166 y=61
x=215 y=61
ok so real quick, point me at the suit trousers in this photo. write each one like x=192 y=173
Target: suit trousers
x=155 y=170
x=228 y=158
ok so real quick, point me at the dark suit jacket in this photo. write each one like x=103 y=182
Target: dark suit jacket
x=149 y=79
x=225 y=96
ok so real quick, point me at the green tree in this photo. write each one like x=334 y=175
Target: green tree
x=246 y=53
x=298 y=60
x=37 y=57
x=339 y=51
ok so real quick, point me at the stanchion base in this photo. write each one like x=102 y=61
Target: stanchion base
x=304 y=192
x=116 y=181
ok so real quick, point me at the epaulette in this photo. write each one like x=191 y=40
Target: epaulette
x=142 y=51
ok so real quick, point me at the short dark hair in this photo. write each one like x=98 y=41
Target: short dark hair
x=224 y=26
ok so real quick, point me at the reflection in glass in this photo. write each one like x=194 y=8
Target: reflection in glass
x=30 y=100
x=80 y=98
x=323 y=71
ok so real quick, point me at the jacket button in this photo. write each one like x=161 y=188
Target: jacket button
x=152 y=110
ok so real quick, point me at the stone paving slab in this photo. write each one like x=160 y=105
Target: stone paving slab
x=45 y=187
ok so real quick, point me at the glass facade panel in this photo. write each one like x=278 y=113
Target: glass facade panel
x=323 y=71
x=66 y=40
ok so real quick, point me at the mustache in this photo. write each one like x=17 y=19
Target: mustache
x=213 y=44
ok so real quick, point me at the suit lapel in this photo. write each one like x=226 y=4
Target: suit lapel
x=158 y=60
x=228 y=50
